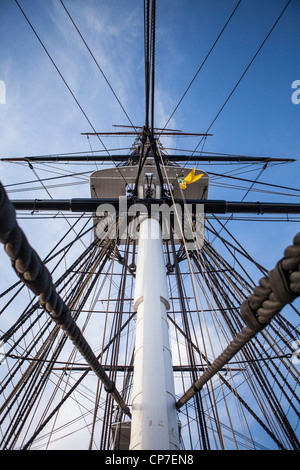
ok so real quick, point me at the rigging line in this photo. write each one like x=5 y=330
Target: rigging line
x=59 y=429
x=47 y=179
x=93 y=267
x=97 y=64
x=147 y=65
x=153 y=25
x=87 y=293
x=213 y=154
x=240 y=250
x=252 y=181
x=38 y=178
x=208 y=54
x=186 y=327
x=212 y=393
x=229 y=246
x=57 y=69
x=114 y=353
x=261 y=219
x=57 y=155
x=71 y=175
x=57 y=170
x=44 y=166
x=70 y=244
x=46 y=260
x=232 y=389
x=35 y=306
x=14 y=329
x=61 y=185
x=90 y=145
x=238 y=433
x=66 y=219
x=248 y=166
x=216 y=185
x=244 y=73
x=65 y=82
x=98 y=392
x=205 y=438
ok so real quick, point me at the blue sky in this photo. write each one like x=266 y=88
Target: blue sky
x=41 y=117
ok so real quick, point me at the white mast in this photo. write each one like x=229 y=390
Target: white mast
x=154 y=423
x=154 y=417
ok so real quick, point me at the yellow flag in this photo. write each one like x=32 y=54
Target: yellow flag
x=190 y=178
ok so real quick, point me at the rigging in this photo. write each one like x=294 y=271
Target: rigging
x=207 y=286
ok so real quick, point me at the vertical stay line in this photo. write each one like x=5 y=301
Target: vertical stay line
x=147 y=65
x=153 y=26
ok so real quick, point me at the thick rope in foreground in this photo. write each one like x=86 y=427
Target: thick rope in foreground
x=31 y=270
x=280 y=287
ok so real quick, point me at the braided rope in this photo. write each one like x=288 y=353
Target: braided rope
x=280 y=287
x=31 y=270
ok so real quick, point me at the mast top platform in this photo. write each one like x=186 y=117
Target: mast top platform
x=120 y=181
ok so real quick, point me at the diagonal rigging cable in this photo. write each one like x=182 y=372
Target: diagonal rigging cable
x=253 y=181
x=244 y=73
x=47 y=418
x=95 y=252
x=206 y=57
x=260 y=307
x=69 y=393
x=67 y=85
x=262 y=381
x=71 y=175
x=213 y=281
x=47 y=191
x=36 y=276
x=57 y=69
x=248 y=190
x=210 y=282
